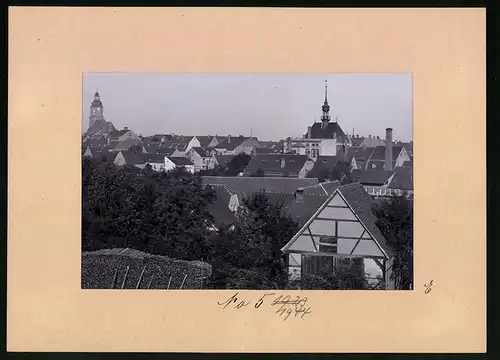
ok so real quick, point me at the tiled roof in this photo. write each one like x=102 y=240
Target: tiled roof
x=204 y=140
x=223 y=160
x=362 y=153
x=101 y=127
x=277 y=163
x=371 y=177
x=378 y=153
x=200 y=151
x=326 y=162
x=165 y=151
x=219 y=209
x=132 y=157
x=362 y=205
x=300 y=209
x=98 y=153
x=402 y=179
x=231 y=143
x=95 y=141
x=264 y=150
x=333 y=127
x=377 y=164
x=325 y=188
x=125 y=144
x=246 y=186
x=153 y=158
x=174 y=144
x=180 y=161
x=118 y=133
x=356 y=141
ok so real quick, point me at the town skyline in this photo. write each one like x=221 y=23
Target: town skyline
x=267 y=106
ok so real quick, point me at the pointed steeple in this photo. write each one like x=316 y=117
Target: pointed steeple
x=325 y=118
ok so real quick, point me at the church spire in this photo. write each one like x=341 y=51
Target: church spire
x=326 y=92
x=325 y=118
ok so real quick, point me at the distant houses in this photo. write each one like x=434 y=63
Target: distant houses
x=279 y=165
x=178 y=162
x=236 y=145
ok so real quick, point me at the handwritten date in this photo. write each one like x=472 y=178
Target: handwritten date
x=285 y=305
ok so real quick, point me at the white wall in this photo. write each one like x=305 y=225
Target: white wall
x=119 y=159
x=234 y=203
x=308 y=165
x=196 y=159
x=328 y=147
x=169 y=165
x=157 y=166
x=194 y=142
x=247 y=147
x=402 y=157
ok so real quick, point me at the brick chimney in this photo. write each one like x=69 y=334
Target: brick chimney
x=309 y=132
x=388 y=149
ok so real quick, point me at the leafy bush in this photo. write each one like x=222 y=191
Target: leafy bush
x=162 y=213
x=395 y=220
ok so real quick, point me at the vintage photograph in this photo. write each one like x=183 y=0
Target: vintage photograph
x=247 y=181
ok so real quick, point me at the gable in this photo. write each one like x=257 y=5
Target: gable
x=335 y=218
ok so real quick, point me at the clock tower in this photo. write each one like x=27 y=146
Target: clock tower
x=96 y=110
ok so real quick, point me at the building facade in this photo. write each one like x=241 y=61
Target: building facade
x=324 y=138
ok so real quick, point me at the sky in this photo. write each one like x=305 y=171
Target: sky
x=270 y=106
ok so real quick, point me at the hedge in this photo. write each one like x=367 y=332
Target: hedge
x=99 y=269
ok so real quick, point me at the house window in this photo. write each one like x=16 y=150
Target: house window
x=328 y=244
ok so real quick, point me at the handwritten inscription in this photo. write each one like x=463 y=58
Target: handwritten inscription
x=284 y=304
x=428 y=287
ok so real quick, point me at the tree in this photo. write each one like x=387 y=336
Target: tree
x=238 y=164
x=340 y=170
x=161 y=213
x=235 y=166
x=336 y=173
x=250 y=256
x=339 y=279
x=395 y=220
x=218 y=170
x=321 y=173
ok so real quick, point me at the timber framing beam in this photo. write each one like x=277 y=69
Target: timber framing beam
x=355 y=246
x=318 y=253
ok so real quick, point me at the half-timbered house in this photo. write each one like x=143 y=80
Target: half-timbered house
x=342 y=233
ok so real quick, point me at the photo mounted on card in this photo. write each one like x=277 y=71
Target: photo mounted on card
x=283 y=198
x=201 y=184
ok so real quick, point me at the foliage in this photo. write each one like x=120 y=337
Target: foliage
x=249 y=257
x=236 y=165
x=341 y=279
x=395 y=220
x=162 y=213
